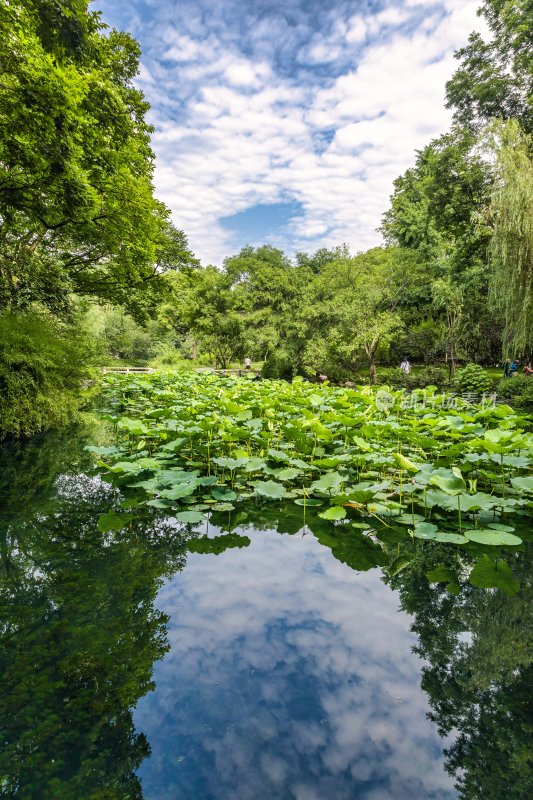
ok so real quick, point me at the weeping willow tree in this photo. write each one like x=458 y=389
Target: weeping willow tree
x=511 y=245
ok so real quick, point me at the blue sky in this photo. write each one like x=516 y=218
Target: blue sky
x=286 y=121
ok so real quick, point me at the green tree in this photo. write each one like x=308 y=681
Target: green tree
x=511 y=247
x=495 y=77
x=437 y=209
x=351 y=309
x=268 y=291
x=203 y=307
x=77 y=211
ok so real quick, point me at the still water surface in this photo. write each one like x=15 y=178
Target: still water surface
x=133 y=668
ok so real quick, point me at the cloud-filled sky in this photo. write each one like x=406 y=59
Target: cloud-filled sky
x=286 y=121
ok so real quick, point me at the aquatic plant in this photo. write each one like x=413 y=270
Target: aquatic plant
x=381 y=464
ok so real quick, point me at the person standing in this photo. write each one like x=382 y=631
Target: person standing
x=248 y=362
x=405 y=366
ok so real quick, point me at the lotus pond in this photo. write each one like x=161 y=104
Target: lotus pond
x=222 y=588
x=385 y=469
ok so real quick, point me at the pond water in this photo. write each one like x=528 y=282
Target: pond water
x=259 y=668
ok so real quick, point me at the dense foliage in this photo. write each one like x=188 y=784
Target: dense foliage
x=79 y=224
x=42 y=363
x=66 y=712
x=411 y=466
x=77 y=213
x=76 y=196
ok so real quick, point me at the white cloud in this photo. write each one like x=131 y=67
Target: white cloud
x=326 y=115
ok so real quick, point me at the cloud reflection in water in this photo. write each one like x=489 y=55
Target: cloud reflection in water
x=291 y=677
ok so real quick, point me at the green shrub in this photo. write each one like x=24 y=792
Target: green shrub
x=472 y=378
x=518 y=391
x=169 y=356
x=278 y=367
x=42 y=364
x=428 y=376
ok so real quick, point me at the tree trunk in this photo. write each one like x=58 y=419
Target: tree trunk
x=370 y=351
x=451 y=336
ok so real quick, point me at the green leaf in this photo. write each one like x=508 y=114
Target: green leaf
x=406 y=463
x=309 y=501
x=174 y=445
x=409 y=519
x=333 y=513
x=270 y=489
x=113 y=521
x=524 y=484
x=425 y=530
x=229 y=463
x=492 y=537
x=441 y=574
x=452 y=484
x=451 y=538
x=223 y=494
x=190 y=517
x=327 y=482
x=158 y=503
x=398 y=564
x=499 y=526
x=179 y=490
x=287 y=474
x=489 y=574
x=133 y=426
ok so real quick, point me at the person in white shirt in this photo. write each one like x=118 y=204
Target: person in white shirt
x=248 y=362
x=405 y=366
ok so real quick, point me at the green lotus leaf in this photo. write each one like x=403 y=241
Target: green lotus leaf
x=523 y=484
x=270 y=489
x=489 y=574
x=425 y=530
x=452 y=484
x=113 y=521
x=179 y=490
x=409 y=519
x=333 y=513
x=229 y=463
x=309 y=501
x=406 y=463
x=174 y=445
x=286 y=474
x=500 y=526
x=159 y=503
x=492 y=537
x=133 y=426
x=450 y=538
x=190 y=517
x=327 y=482
x=441 y=574
x=223 y=494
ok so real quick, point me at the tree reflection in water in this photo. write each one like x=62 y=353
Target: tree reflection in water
x=80 y=631
x=479 y=649
x=81 y=635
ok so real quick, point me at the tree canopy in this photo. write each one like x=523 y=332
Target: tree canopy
x=77 y=209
